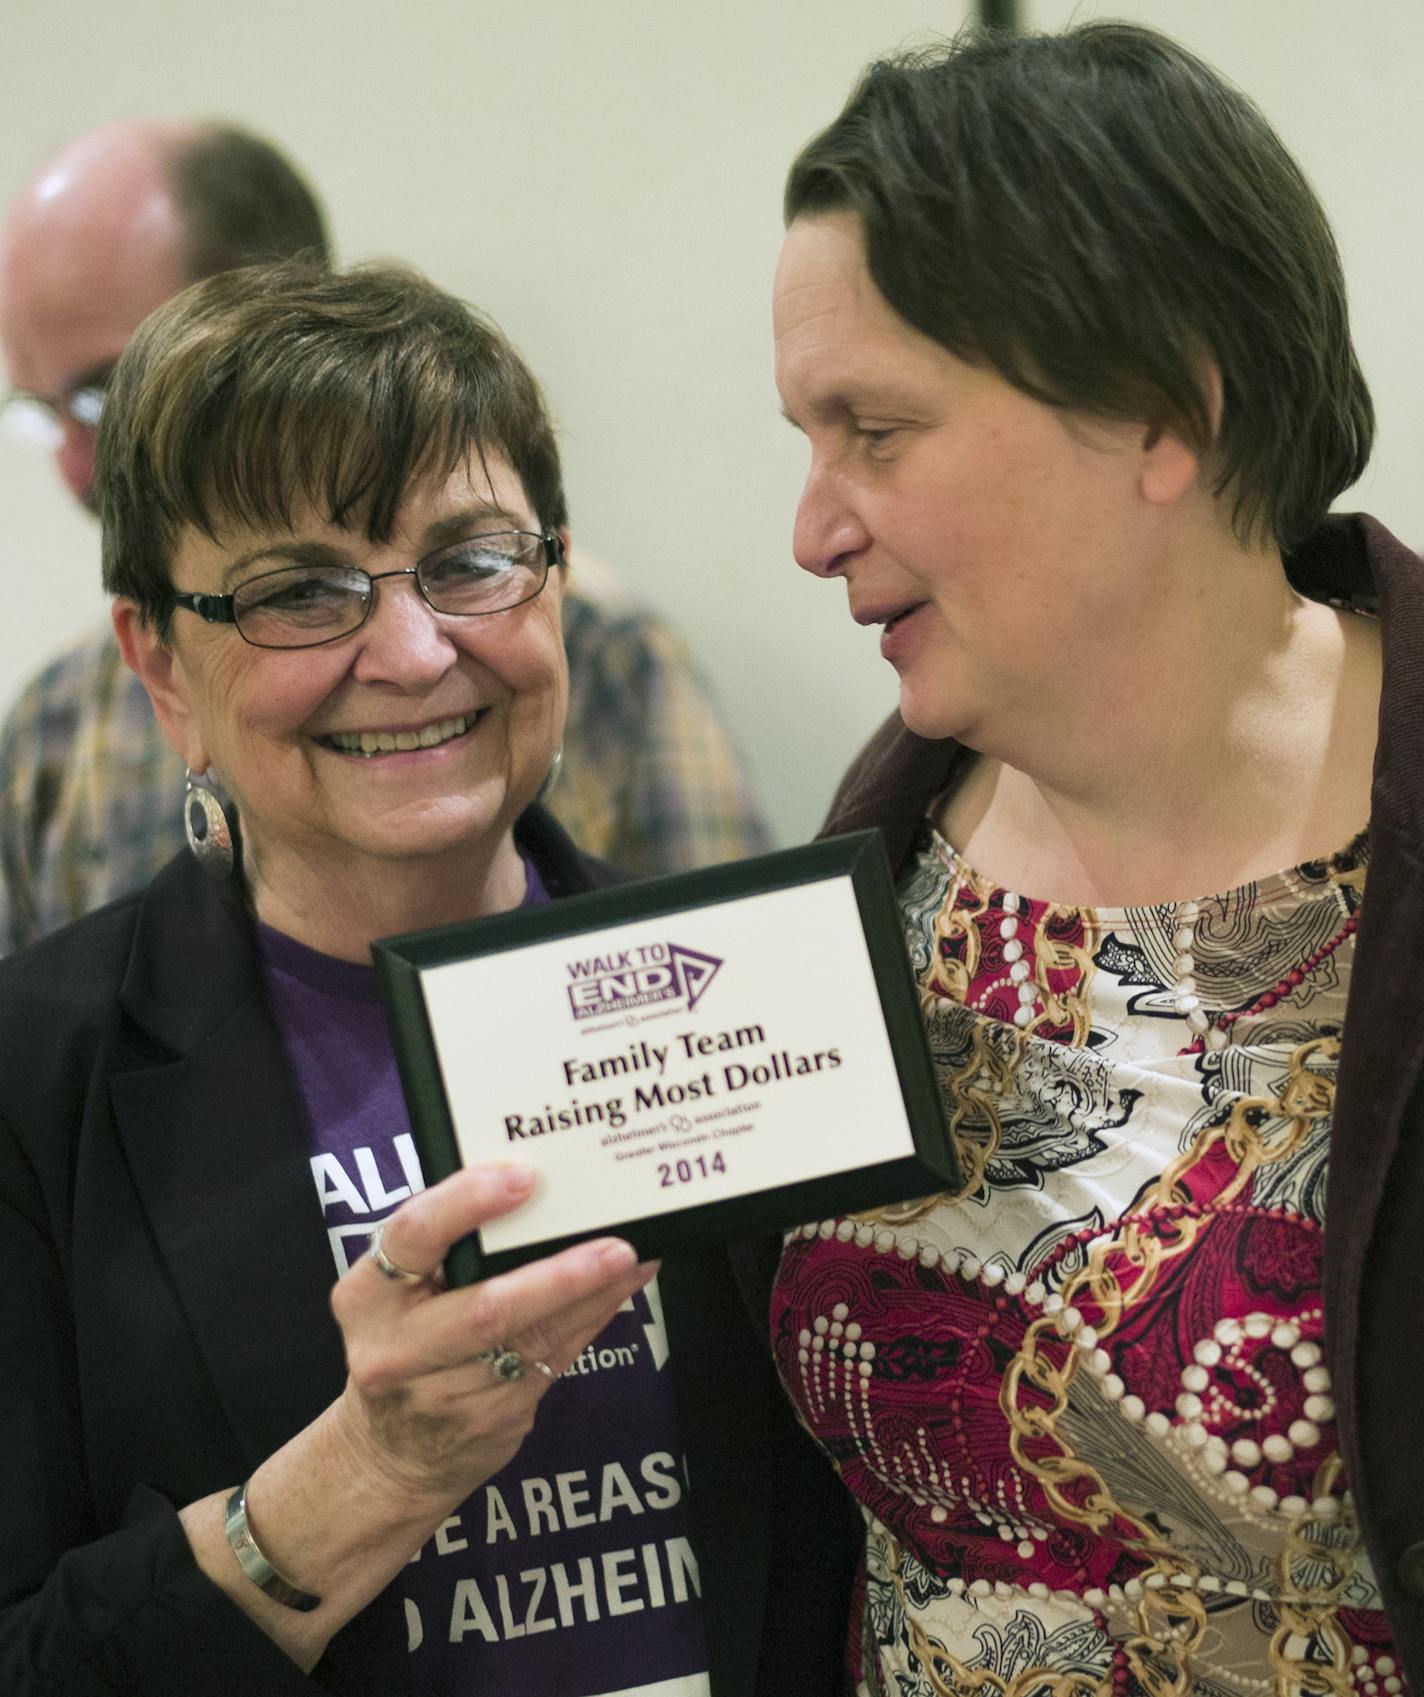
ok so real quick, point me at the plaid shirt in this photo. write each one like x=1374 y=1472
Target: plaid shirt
x=91 y=792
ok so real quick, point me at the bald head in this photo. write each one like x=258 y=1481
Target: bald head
x=93 y=243
x=116 y=223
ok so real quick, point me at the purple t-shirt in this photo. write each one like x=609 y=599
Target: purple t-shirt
x=571 y=1571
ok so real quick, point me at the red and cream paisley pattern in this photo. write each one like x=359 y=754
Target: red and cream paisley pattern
x=1083 y=1401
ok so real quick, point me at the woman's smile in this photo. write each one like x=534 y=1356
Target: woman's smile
x=369 y=745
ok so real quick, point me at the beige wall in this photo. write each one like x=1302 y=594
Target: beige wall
x=604 y=176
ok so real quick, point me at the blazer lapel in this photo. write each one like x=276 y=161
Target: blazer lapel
x=209 y=1121
x=1384 y=1023
x=890 y=784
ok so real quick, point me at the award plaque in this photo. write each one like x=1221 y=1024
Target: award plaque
x=694 y=1057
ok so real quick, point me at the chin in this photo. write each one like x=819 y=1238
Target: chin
x=430 y=832
x=933 y=720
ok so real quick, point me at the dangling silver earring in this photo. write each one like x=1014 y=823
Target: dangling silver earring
x=207 y=828
x=551 y=777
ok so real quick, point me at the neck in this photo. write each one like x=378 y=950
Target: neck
x=341 y=910
x=1228 y=735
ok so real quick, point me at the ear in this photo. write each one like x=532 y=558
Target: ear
x=1170 y=464
x=161 y=673
x=558 y=579
x=1169 y=468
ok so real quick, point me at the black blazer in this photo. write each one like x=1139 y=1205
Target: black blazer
x=164 y=1284
x=1374 y=1241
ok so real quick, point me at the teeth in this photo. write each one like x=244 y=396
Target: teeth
x=433 y=734
x=389 y=742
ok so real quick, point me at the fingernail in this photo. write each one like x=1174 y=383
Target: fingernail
x=517 y=1179
x=616 y=1257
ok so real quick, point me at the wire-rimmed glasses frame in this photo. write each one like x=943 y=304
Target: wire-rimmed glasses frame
x=38 y=418
x=285 y=607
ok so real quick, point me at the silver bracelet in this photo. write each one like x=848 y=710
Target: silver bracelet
x=254 y=1564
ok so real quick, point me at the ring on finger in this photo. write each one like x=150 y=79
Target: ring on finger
x=510 y=1366
x=392 y=1269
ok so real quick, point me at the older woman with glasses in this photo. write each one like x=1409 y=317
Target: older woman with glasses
x=334 y=528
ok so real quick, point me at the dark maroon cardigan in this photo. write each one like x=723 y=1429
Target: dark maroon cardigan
x=1374 y=1247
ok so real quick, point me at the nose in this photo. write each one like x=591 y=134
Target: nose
x=75 y=458
x=829 y=533
x=404 y=641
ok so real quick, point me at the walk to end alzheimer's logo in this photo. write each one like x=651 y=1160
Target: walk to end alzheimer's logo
x=616 y=983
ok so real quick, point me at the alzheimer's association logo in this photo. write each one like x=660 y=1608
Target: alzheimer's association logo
x=606 y=985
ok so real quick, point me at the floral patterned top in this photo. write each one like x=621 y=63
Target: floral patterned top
x=1082 y=1401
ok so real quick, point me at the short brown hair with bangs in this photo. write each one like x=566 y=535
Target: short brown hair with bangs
x=1095 y=215
x=283 y=384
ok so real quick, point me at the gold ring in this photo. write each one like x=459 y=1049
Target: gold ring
x=390 y=1268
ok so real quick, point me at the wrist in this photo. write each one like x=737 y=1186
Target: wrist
x=254 y=1563
x=327 y=1517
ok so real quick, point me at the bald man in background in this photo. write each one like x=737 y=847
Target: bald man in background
x=90 y=792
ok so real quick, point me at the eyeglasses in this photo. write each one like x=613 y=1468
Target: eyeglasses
x=40 y=420
x=305 y=606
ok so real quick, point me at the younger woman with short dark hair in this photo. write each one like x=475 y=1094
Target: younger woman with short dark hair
x=1065 y=329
